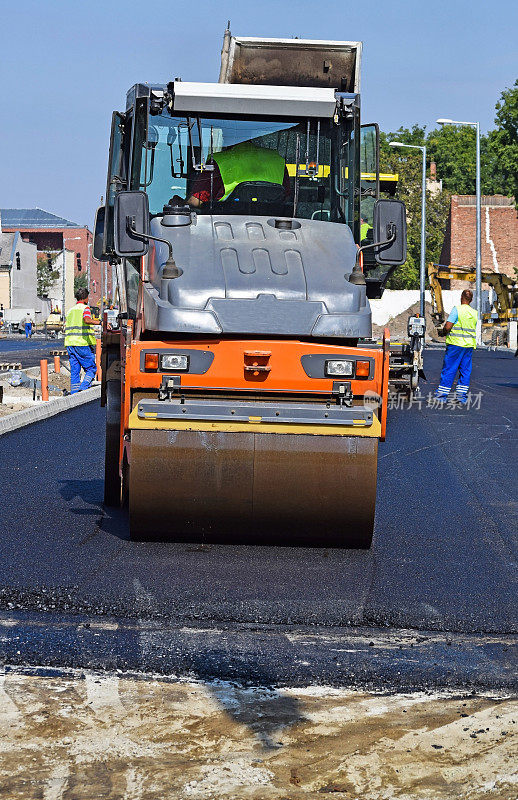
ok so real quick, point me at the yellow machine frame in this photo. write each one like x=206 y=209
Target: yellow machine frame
x=505 y=305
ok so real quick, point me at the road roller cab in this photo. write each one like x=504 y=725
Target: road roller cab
x=240 y=399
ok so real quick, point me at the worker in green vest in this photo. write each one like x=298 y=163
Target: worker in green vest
x=241 y=163
x=461 y=339
x=80 y=343
x=365 y=227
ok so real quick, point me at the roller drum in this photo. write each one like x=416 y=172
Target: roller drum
x=286 y=489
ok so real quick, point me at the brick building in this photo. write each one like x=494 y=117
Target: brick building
x=499 y=234
x=50 y=232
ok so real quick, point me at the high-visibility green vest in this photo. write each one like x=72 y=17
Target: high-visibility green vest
x=463 y=333
x=364 y=229
x=245 y=162
x=77 y=332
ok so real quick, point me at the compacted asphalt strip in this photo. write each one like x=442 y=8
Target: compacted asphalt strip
x=441 y=574
x=28 y=352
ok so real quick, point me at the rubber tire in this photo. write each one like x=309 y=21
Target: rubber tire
x=125 y=483
x=112 y=481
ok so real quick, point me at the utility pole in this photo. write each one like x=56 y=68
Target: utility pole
x=64 y=281
x=88 y=266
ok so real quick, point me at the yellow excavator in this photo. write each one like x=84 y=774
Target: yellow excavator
x=505 y=305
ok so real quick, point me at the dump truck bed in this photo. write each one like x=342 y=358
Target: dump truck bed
x=291 y=62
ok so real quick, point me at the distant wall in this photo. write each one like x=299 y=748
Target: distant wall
x=499 y=234
x=79 y=241
x=24 y=280
x=395 y=301
x=55 y=295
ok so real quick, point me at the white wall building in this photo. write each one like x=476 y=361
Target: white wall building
x=18 y=278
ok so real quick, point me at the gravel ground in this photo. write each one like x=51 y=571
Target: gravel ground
x=398 y=325
x=90 y=735
x=491 y=335
x=16 y=398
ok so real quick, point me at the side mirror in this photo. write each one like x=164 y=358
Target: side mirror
x=390 y=223
x=100 y=217
x=131 y=224
x=152 y=137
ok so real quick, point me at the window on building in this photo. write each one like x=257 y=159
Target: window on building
x=78 y=262
x=18 y=261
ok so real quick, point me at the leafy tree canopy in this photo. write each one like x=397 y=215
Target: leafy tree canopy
x=408 y=164
x=501 y=147
x=46 y=274
x=80 y=282
x=452 y=147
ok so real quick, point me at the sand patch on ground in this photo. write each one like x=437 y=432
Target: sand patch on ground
x=16 y=398
x=105 y=736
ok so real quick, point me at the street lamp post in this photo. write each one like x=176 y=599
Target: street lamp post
x=422 y=267
x=478 y=270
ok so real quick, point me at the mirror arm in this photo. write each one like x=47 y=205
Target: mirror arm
x=170 y=269
x=375 y=244
x=337 y=190
x=357 y=275
x=130 y=227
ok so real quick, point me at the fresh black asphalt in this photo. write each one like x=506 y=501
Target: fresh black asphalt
x=441 y=575
x=28 y=352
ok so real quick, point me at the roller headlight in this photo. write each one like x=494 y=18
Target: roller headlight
x=339 y=368
x=175 y=362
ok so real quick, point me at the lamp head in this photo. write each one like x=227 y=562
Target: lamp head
x=444 y=121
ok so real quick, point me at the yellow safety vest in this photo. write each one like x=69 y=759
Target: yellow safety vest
x=77 y=332
x=463 y=333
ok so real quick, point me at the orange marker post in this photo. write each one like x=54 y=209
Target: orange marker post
x=98 y=359
x=57 y=364
x=44 y=375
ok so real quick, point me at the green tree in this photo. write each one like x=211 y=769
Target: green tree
x=46 y=275
x=452 y=147
x=80 y=282
x=408 y=164
x=501 y=151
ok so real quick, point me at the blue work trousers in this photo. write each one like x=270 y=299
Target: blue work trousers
x=81 y=357
x=456 y=359
x=28 y=330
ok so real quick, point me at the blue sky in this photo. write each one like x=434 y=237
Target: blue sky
x=65 y=65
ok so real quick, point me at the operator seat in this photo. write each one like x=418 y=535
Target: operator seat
x=257 y=191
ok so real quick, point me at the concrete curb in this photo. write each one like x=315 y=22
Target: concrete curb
x=29 y=415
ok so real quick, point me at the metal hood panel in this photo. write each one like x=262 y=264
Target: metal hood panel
x=244 y=275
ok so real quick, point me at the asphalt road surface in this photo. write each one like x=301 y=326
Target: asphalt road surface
x=28 y=352
x=434 y=600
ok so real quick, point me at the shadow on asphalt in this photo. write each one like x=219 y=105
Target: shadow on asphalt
x=115 y=522
x=89 y=491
